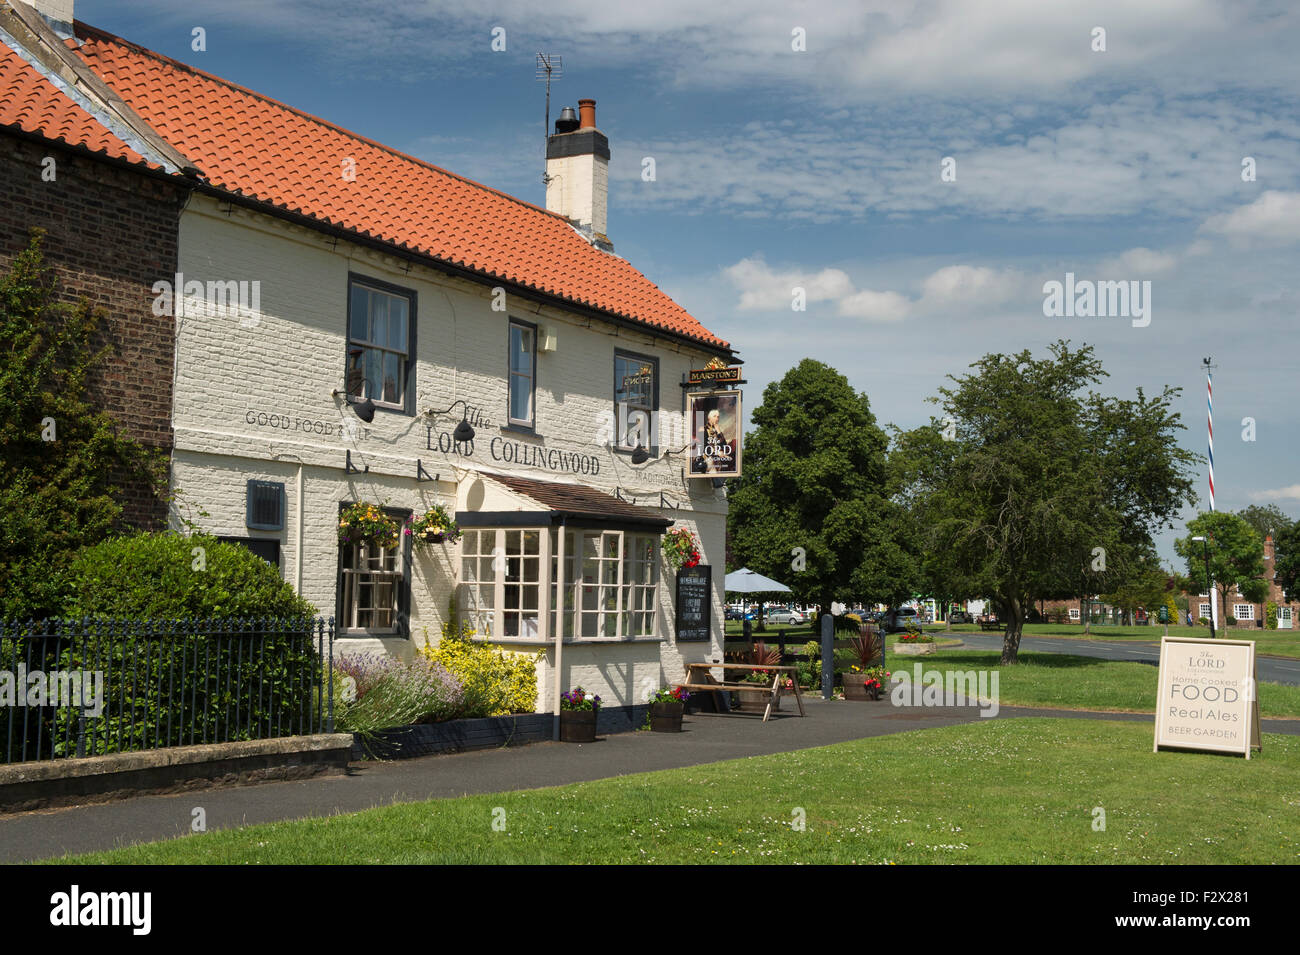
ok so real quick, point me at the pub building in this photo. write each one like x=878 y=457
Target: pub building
x=354 y=325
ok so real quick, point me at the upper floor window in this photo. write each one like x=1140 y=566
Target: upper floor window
x=523 y=373
x=380 y=352
x=636 y=395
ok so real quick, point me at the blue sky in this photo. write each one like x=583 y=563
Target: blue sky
x=821 y=168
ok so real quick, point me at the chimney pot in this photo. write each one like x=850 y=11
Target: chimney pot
x=587 y=112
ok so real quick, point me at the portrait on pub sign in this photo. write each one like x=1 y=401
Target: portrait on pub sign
x=713 y=418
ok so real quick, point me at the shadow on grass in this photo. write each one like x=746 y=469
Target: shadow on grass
x=988 y=660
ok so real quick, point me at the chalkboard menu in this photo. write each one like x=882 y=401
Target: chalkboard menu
x=694 y=598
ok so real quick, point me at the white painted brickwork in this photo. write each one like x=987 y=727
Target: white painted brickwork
x=277 y=369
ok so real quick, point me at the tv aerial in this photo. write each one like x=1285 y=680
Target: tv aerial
x=549 y=66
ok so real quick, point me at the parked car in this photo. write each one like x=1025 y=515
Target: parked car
x=961 y=616
x=784 y=615
x=895 y=621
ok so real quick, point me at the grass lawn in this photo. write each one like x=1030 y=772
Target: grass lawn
x=1282 y=643
x=995 y=791
x=1066 y=681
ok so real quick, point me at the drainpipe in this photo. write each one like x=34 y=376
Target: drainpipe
x=297 y=562
x=559 y=631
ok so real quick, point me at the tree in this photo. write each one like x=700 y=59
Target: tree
x=64 y=466
x=1236 y=556
x=1143 y=585
x=1266 y=519
x=811 y=509
x=1286 y=561
x=1044 y=487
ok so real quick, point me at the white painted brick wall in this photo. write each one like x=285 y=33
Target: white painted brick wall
x=286 y=362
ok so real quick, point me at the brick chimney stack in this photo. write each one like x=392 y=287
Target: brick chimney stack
x=577 y=172
x=58 y=12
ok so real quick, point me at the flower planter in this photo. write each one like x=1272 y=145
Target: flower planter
x=577 y=726
x=666 y=717
x=914 y=649
x=755 y=701
x=854 y=688
x=433 y=537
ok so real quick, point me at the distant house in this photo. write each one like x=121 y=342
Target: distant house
x=339 y=316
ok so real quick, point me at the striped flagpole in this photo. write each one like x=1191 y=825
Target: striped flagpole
x=1209 y=409
x=1209 y=403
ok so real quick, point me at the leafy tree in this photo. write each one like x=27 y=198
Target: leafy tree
x=64 y=466
x=1044 y=485
x=812 y=508
x=1236 y=556
x=1266 y=519
x=1286 y=560
x=1143 y=585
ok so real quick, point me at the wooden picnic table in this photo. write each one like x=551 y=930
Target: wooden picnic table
x=707 y=682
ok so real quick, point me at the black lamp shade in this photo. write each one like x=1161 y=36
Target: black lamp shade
x=640 y=455
x=365 y=410
x=464 y=431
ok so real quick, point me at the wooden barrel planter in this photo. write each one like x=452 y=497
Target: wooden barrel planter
x=755 y=701
x=577 y=726
x=666 y=717
x=854 y=688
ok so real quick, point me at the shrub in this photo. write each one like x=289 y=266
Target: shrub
x=56 y=495
x=387 y=693
x=163 y=576
x=1270 y=616
x=495 y=682
x=194 y=645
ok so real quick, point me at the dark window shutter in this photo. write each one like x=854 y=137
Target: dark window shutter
x=265 y=507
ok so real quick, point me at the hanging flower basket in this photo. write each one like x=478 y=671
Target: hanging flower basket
x=680 y=548
x=365 y=523
x=434 y=526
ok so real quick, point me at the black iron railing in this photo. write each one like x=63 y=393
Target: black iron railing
x=90 y=687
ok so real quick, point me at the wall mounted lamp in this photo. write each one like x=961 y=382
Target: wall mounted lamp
x=464 y=431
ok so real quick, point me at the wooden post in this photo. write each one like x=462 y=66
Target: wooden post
x=828 y=656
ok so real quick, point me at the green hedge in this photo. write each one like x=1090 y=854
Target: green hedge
x=192 y=634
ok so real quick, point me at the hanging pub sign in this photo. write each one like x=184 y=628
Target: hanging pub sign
x=694 y=597
x=714 y=376
x=1206 y=696
x=713 y=418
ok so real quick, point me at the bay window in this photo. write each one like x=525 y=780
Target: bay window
x=597 y=584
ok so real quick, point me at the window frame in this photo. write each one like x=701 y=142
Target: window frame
x=550 y=613
x=1249 y=610
x=513 y=423
x=619 y=446
x=407 y=406
x=344 y=612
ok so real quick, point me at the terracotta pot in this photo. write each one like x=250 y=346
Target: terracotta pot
x=666 y=717
x=577 y=726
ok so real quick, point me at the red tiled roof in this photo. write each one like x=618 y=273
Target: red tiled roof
x=249 y=144
x=579 y=500
x=33 y=104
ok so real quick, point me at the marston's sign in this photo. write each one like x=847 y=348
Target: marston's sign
x=713 y=376
x=1206 y=697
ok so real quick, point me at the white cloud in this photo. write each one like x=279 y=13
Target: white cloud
x=1273 y=217
x=970 y=284
x=1139 y=263
x=875 y=306
x=1292 y=492
x=762 y=288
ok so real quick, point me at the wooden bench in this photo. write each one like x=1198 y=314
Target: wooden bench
x=992 y=625
x=697 y=681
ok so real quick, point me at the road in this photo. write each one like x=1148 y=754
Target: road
x=1270 y=669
